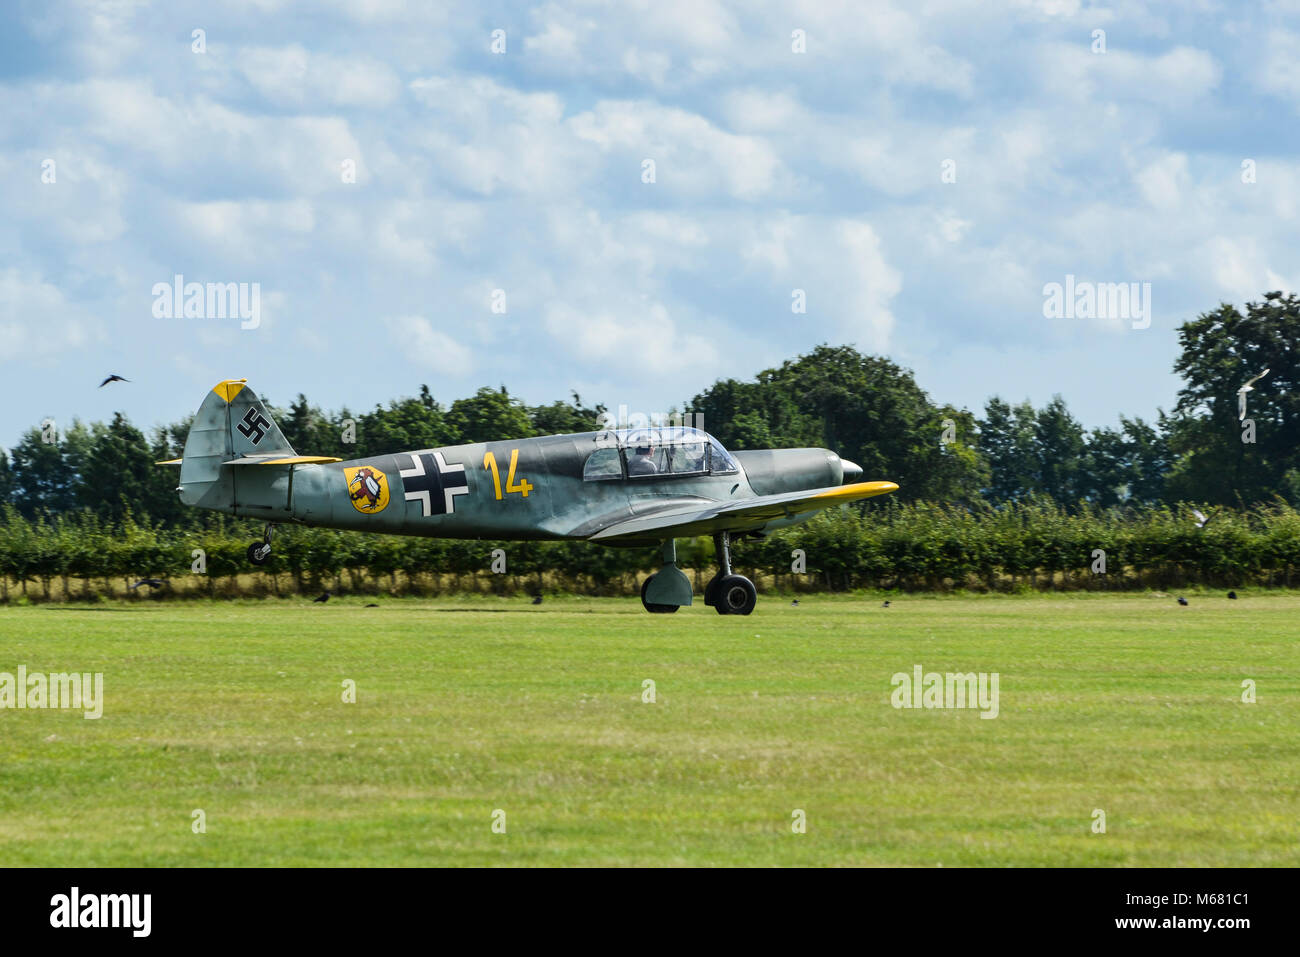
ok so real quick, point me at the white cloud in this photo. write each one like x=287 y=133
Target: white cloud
x=649 y=66
x=1164 y=181
x=555 y=41
x=37 y=320
x=691 y=154
x=1175 y=79
x=198 y=138
x=246 y=229
x=840 y=265
x=484 y=136
x=952 y=228
x=419 y=341
x=1239 y=267
x=640 y=340
x=1278 y=71
x=753 y=110
x=871 y=284
x=292 y=76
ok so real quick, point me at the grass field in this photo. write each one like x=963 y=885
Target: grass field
x=1127 y=704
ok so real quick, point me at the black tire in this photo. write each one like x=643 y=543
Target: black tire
x=736 y=595
x=256 y=555
x=711 y=590
x=651 y=606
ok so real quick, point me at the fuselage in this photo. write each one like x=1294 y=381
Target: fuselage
x=550 y=487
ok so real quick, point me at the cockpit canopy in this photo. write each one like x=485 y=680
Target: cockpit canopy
x=656 y=451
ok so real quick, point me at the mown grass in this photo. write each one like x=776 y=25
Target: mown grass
x=1128 y=704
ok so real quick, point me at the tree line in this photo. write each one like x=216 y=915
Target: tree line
x=985 y=465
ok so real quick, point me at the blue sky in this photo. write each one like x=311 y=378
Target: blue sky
x=522 y=171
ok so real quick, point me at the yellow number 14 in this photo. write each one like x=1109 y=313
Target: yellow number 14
x=523 y=486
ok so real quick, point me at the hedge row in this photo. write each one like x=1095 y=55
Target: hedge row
x=907 y=547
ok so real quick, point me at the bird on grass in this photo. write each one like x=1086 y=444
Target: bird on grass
x=537 y=599
x=323 y=598
x=151 y=582
x=884 y=604
x=1232 y=595
x=372 y=605
x=795 y=602
x=1182 y=600
x=113 y=378
x=1241 y=394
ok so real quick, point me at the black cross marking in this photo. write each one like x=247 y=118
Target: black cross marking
x=254 y=425
x=433 y=483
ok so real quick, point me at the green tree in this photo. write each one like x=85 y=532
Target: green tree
x=561 y=417
x=1221 y=350
x=489 y=415
x=866 y=408
x=418 y=423
x=1007 y=441
x=6 y=478
x=45 y=475
x=1059 y=450
x=117 y=475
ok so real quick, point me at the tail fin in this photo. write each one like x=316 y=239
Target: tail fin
x=232 y=423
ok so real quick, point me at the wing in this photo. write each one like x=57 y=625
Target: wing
x=746 y=514
x=281 y=459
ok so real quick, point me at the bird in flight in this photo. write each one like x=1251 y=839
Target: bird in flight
x=1241 y=394
x=1201 y=518
x=113 y=378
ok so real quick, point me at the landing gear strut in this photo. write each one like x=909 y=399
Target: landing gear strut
x=260 y=552
x=730 y=594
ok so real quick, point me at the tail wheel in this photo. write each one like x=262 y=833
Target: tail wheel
x=736 y=595
x=259 y=553
x=651 y=606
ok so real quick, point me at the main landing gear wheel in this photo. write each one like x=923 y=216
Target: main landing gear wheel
x=735 y=595
x=651 y=606
x=729 y=593
x=711 y=590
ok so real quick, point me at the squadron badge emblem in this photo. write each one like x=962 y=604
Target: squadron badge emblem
x=367 y=488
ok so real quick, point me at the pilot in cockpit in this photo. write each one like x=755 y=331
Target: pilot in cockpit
x=642 y=463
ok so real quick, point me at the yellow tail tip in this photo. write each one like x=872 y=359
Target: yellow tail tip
x=229 y=388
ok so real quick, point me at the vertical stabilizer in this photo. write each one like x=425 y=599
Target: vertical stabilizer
x=231 y=423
